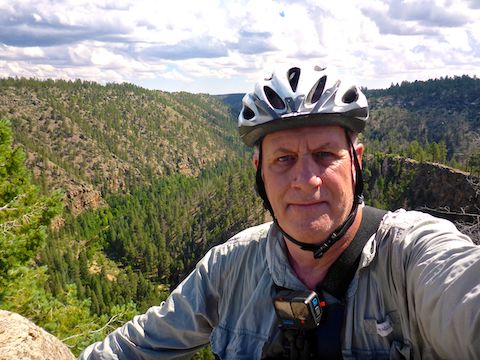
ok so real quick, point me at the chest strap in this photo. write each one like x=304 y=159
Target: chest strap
x=342 y=271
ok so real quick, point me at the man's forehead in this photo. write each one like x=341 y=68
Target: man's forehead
x=313 y=135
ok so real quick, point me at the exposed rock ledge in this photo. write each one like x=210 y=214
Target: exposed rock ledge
x=21 y=339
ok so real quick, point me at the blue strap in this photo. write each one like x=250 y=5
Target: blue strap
x=326 y=342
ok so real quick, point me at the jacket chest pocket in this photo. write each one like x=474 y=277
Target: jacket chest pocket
x=386 y=338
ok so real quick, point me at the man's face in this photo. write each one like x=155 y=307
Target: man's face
x=308 y=175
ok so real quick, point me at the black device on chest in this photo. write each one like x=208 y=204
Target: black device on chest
x=298 y=309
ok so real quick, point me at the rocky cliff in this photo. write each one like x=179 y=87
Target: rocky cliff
x=20 y=339
x=439 y=189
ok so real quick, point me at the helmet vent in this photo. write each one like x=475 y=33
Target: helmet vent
x=248 y=113
x=293 y=77
x=317 y=90
x=273 y=98
x=350 y=96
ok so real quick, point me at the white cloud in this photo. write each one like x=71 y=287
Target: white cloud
x=229 y=42
x=34 y=52
x=176 y=75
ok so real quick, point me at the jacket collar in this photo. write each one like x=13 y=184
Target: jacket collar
x=277 y=260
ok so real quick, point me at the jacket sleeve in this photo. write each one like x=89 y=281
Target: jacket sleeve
x=174 y=330
x=442 y=280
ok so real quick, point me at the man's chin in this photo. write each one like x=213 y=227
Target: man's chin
x=312 y=233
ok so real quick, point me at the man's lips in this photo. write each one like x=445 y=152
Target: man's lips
x=306 y=204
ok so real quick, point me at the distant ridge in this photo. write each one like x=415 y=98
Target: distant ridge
x=233 y=101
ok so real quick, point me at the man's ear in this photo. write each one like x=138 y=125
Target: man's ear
x=255 y=160
x=360 y=148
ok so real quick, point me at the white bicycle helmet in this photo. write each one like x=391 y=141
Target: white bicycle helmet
x=301 y=97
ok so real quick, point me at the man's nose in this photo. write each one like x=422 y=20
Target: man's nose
x=307 y=173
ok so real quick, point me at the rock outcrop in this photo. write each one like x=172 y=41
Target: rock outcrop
x=21 y=339
x=80 y=197
x=445 y=191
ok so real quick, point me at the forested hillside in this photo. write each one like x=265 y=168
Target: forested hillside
x=115 y=136
x=410 y=116
x=149 y=181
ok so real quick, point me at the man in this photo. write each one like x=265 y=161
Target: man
x=395 y=285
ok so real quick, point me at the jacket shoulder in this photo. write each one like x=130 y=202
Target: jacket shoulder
x=250 y=237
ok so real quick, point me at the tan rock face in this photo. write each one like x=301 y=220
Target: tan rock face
x=22 y=339
x=437 y=186
x=80 y=197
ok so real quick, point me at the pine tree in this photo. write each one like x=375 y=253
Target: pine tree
x=24 y=212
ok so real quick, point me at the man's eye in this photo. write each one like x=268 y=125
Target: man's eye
x=323 y=154
x=285 y=158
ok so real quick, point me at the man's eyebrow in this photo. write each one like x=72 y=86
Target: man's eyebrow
x=282 y=149
x=286 y=149
x=319 y=146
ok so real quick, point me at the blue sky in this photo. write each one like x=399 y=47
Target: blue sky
x=220 y=46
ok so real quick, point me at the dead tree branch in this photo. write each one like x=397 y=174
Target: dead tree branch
x=112 y=319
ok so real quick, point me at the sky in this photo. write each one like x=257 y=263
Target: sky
x=225 y=46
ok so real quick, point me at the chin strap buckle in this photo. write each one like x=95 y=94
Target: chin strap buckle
x=322 y=249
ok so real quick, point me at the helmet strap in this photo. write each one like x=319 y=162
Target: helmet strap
x=260 y=185
x=318 y=249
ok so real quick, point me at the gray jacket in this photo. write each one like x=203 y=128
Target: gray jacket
x=416 y=295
